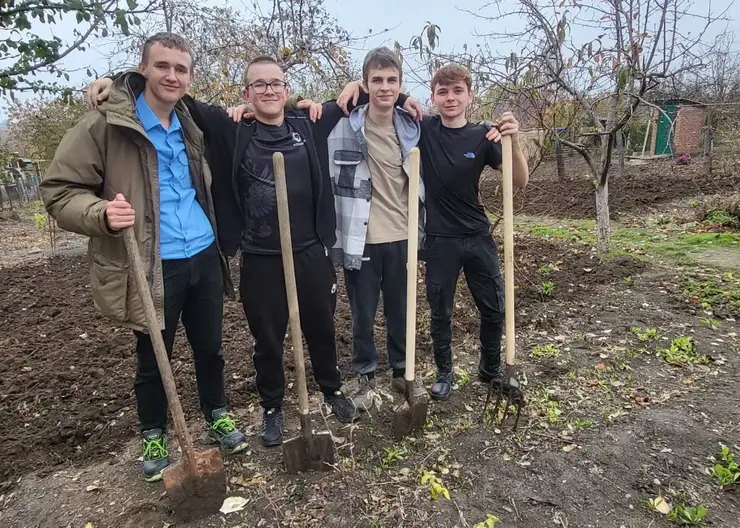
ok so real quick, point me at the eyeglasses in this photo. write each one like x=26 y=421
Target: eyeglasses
x=260 y=87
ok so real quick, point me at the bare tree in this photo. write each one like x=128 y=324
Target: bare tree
x=309 y=44
x=601 y=57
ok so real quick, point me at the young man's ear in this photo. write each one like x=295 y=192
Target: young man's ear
x=245 y=94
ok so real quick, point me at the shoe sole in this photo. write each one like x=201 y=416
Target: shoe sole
x=272 y=444
x=155 y=478
x=238 y=449
x=441 y=398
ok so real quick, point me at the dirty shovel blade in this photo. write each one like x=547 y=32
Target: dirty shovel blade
x=309 y=450
x=300 y=455
x=199 y=491
x=409 y=417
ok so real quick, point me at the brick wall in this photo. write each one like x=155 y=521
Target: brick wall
x=689 y=129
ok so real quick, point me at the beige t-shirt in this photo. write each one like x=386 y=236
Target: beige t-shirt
x=389 y=206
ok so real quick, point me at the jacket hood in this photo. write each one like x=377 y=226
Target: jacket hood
x=407 y=129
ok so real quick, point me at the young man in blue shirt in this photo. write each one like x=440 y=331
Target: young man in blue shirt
x=138 y=162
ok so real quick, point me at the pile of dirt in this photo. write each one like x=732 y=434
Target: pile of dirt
x=642 y=187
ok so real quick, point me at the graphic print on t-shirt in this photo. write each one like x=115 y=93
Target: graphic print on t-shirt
x=257 y=187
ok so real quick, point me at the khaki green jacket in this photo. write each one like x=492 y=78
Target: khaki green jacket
x=105 y=153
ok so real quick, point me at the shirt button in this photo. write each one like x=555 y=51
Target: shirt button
x=148 y=219
x=368 y=199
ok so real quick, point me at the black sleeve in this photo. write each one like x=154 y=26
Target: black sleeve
x=493 y=153
x=213 y=120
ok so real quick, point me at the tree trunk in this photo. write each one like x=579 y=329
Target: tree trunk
x=560 y=160
x=620 y=151
x=603 y=225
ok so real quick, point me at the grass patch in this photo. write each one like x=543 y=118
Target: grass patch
x=660 y=242
x=546 y=351
x=718 y=294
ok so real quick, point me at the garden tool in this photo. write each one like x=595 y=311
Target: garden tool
x=411 y=415
x=195 y=484
x=309 y=450
x=508 y=386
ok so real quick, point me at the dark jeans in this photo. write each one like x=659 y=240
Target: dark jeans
x=265 y=302
x=383 y=269
x=477 y=257
x=193 y=290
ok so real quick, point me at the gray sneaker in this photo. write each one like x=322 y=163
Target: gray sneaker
x=399 y=385
x=155 y=456
x=362 y=396
x=222 y=429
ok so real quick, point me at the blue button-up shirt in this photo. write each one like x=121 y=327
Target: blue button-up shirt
x=184 y=226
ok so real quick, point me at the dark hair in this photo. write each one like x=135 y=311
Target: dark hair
x=381 y=58
x=168 y=40
x=258 y=60
x=452 y=73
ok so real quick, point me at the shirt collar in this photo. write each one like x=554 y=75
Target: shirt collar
x=149 y=119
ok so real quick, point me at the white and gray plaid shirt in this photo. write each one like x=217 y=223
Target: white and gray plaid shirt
x=351 y=181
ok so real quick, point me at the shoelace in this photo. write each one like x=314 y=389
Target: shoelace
x=155 y=448
x=225 y=424
x=272 y=417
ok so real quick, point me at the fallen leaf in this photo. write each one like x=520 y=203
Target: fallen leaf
x=569 y=448
x=92 y=487
x=588 y=270
x=661 y=505
x=233 y=504
x=468 y=408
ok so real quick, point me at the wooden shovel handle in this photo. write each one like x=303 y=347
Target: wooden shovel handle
x=412 y=265
x=286 y=248
x=160 y=352
x=508 y=188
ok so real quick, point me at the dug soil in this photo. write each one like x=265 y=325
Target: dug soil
x=608 y=423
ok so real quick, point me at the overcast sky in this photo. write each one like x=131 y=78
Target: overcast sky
x=404 y=19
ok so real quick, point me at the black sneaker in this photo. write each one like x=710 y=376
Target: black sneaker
x=442 y=388
x=272 y=427
x=342 y=407
x=155 y=457
x=222 y=429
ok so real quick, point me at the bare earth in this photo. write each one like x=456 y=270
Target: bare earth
x=608 y=423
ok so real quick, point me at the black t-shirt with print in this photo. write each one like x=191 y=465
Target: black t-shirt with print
x=452 y=161
x=257 y=187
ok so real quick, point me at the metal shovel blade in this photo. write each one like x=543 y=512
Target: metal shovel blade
x=196 y=492
x=308 y=451
x=411 y=415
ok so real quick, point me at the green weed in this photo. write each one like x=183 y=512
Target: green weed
x=546 y=351
x=682 y=352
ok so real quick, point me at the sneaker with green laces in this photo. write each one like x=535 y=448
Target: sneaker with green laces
x=222 y=429
x=156 y=457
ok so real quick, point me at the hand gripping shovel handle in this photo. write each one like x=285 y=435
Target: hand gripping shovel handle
x=160 y=352
x=411 y=269
x=286 y=243
x=508 y=198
